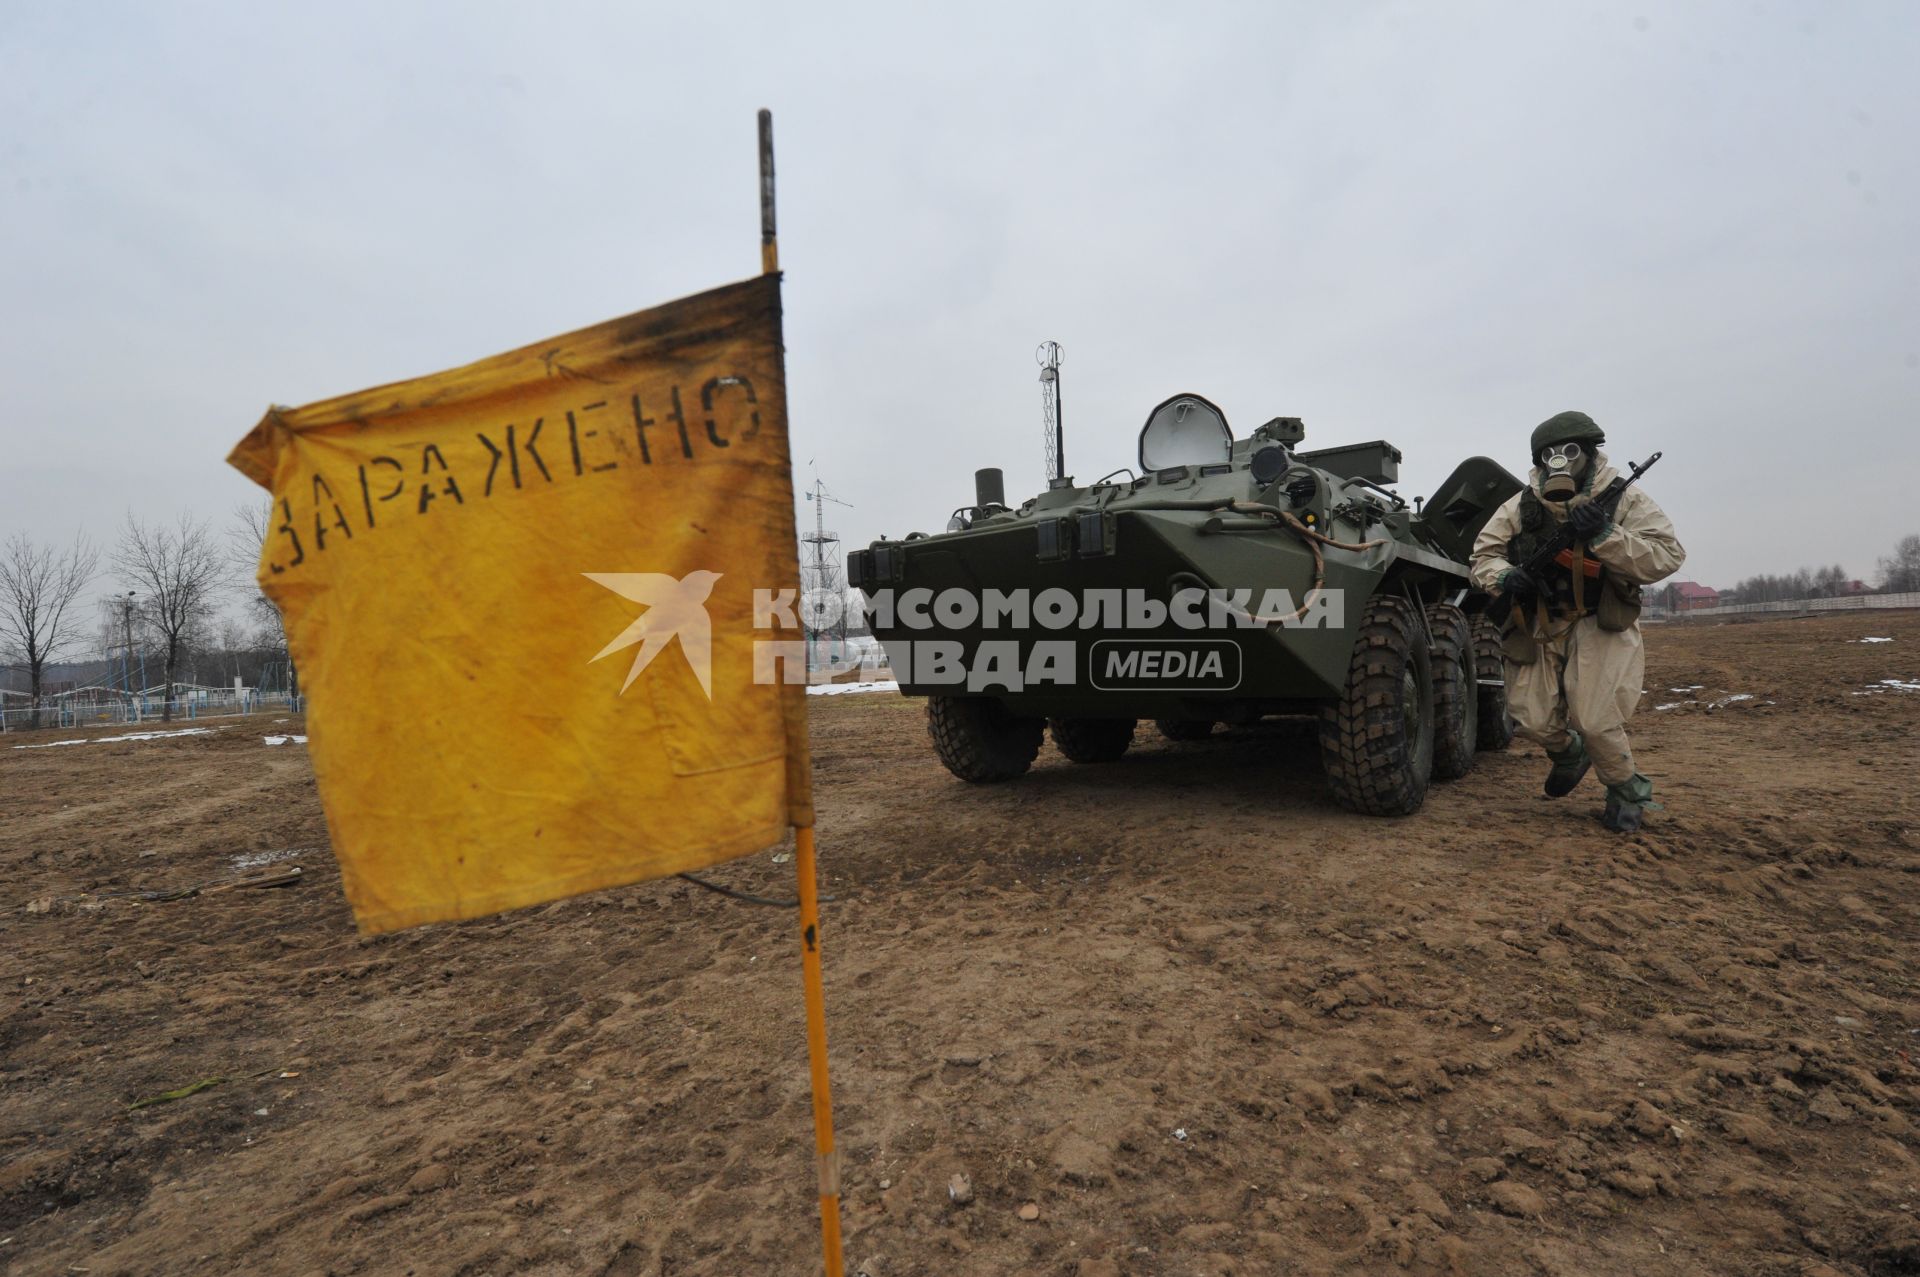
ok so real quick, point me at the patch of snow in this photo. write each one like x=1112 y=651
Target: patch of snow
x=281 y=740
x=1674 y=705
x=1697 y=687
x=104 y=740
x=255 y=859
x=843 y=689
x=1884 y=685
x=1734 y=699
x=1873 y=640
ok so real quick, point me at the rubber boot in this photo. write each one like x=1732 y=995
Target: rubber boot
x=1626 y=803
x=1569 y=765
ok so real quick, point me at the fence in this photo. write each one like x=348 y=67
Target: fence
x=1842 y=603
x=105 y=707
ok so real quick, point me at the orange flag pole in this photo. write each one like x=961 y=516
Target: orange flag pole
x=804 y=866
x=828 y=1161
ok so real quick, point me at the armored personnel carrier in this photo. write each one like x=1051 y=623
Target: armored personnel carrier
x=1224 y=582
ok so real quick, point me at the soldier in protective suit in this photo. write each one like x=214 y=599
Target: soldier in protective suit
x=1574 y=660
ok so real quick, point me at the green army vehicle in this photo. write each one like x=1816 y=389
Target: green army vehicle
x=1227 y=581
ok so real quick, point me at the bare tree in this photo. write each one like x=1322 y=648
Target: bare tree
x=38 y=588
x=232 y=648
x=248 y=534
x=251 y=523
x=1901 y=573
x=177 y=571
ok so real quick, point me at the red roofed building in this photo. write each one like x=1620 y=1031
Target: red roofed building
x=1687 y=596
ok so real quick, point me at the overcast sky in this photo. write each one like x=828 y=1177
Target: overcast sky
x=1433 y=224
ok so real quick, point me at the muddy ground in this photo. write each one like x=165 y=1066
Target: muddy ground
x=1200 y=1018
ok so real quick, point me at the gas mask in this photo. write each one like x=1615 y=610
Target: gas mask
x=1564 y=463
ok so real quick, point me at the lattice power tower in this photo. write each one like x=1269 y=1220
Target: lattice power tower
x=821 y=579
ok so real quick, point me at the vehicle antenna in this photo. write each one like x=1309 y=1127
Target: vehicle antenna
x=1048 y=357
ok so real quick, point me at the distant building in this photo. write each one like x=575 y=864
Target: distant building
x=1688 y=596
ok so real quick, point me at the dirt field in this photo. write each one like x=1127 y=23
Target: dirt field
x=1204 y=1021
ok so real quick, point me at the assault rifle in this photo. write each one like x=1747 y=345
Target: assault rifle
x=1561 y=541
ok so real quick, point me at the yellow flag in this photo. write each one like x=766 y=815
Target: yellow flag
x=521 y=597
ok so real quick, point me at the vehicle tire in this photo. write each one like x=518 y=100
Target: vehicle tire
x=980 y=740
x=1456 y=694
x=1184 y=729
x=1490 y=671
x=1091 y=740
x=1376 y=737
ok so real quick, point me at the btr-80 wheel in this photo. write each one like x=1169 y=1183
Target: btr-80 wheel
x=1091 y=740
x=1376 y=737
x=1490 y=671
x=1456 y=694
x=980 y=740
